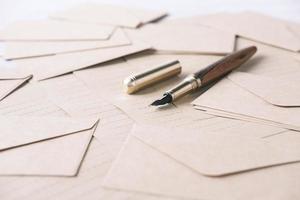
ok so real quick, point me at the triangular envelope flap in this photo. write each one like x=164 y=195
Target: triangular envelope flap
x=55 y=157
x=7 y=86
x=213 y=155
x=275 y=91
x=17 y=131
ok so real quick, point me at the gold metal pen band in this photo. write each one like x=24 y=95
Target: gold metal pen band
x=189 y=84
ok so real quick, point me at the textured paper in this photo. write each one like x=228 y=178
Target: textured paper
x=54 y=30
x=21 y=49
x=275 y=91
x=271 y=61
x=39 y=151
x=185 y=39
x=214 y=155
x=55 y=65
x=267 y=64
x=75 y=98
x=231 y=115
x=72 y=95
x=29 y=101
x=109 y=14
x=257 y=27
x=139 y=167
x=18 y=131
x=9 y=84
x=230 y=97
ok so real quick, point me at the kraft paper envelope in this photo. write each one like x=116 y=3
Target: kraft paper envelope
x=230 y=96
x=201 y=151
x=144 y=168
x=256 y=26
x=9 y=84
x=43 y=145
x=185 y=38
x=231 y=115
x=21 y=49
x=55 y=65
x=270 y=61
x=54 y=30
x=282 y=93
x=109 y=14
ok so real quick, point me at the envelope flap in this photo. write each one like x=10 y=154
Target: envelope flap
x=55 y=30
x=8 y=85
x=17 y=131
x=277 y=92
x=214 y=155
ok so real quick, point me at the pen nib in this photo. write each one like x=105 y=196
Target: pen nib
x=166 y=99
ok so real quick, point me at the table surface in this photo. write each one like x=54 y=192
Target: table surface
x=13 y=10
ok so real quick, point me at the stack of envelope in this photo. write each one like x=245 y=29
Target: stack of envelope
x=69 y=131
x=203 y=165
x=65 y=44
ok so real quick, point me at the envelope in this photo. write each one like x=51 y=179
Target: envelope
x=270 y=61
x=9 y=84
x=54 y=30
x=185 y=38
x=25 y=49
x=256 y=26
x=44 y=146
x=56 y=65
x=201 y=165
x=255 y=96
x=284 y=93
x=109 y=14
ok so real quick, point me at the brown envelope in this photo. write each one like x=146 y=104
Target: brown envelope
x=109 y=14
x=278 y=92
x=25 y=49
x=55 y=65
x=10 y=84
x=52 y=146
x=54 y=30
x=212 y=154
x=256 y=26
x=191 y=164
x=185 y=38
x=248 y=95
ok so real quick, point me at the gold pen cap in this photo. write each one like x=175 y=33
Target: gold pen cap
x=141 y=80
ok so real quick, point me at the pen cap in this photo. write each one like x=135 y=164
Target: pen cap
x=141 y=80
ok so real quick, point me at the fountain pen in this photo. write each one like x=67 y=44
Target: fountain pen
x=206 y=75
